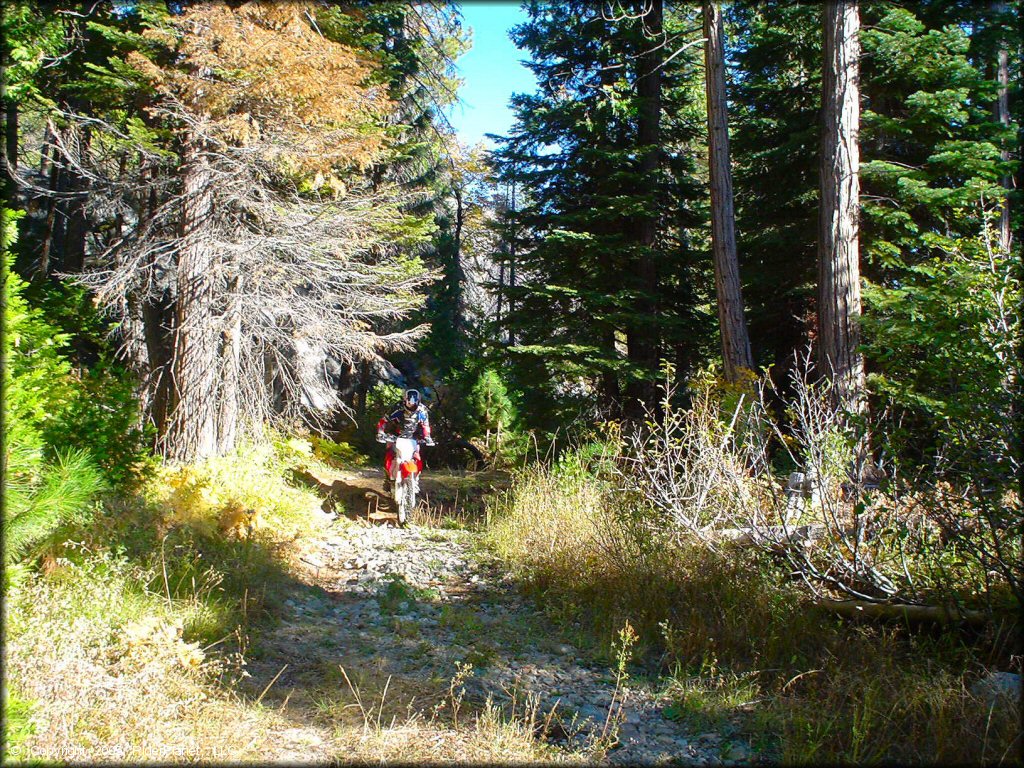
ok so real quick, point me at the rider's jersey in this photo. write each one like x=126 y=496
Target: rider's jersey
x=402 y=422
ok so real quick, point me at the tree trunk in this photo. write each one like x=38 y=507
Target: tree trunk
x=642 y=338
x=501 y=291
x=192 y=427
x=50 y=232
x=732 y=325
x=230 y=369
x=511 y=258
x=11 y=136
x=458 y=275
x=1002 y=114
x=363 y=389
x=157 y=317
x=72 y=252
x=930 y=613
x=839 y=305
x=158 y=334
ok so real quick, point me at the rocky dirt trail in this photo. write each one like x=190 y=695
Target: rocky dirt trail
x=391 y=622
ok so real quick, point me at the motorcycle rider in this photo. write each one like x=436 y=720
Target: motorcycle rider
x=408 y=419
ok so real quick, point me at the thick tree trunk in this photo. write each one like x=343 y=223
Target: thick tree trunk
x=732 y=325
x=52 y=229
x=72 y=252
x=1002 y=114
x=642 y=338
x=192 y=426
x=839 y=305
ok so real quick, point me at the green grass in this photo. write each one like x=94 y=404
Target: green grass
x=398 y=592
x=17 y=723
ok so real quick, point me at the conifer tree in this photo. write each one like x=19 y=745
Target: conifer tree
x=251 y=230
x=732 y=326
x=839 y=307
x=603 y=157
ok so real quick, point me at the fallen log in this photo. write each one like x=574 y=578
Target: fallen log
x=775 y=535
x=929 y=613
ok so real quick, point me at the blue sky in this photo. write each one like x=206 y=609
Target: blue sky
x=491 y=71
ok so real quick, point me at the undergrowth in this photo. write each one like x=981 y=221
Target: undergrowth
x=127 y=641
x=739 y=644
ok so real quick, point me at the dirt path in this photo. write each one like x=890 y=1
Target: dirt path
x=424 y=620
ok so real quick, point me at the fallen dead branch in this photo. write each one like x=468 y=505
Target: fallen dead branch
x=916 y=613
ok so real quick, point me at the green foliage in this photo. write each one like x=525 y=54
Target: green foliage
x=102 y=419
x=44 y=488
x=774 y=102
x=337 y=454
x=37 y=387
x=31 y=37
x=382 y=397
x=41 y=497
x=51 y=404
x=17 y=721
x=582 y=192
x=490 y=412
x=944 y=338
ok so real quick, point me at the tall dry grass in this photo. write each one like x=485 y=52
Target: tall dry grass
x=737 y=637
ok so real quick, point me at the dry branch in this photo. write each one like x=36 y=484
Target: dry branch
x=916 y=613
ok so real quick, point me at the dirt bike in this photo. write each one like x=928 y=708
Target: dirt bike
x=405 y=474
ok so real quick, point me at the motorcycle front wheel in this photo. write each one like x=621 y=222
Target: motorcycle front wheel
x=405 y=498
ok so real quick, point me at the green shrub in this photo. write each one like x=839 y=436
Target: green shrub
x=17 y=722
x=102 y=418
x=337 y=454
x=50 y=404
x=490 y=409
x=43 y=497
x=44 y=488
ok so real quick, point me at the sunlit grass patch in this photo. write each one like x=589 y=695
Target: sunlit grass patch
x=238 y=493
x=753 y=656
x=105 y=671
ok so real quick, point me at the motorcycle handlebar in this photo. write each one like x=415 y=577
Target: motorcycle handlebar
x=392 y=438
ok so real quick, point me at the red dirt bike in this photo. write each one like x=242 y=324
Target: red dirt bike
x=405 y=474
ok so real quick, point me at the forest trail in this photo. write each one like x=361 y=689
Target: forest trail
x=385 y=628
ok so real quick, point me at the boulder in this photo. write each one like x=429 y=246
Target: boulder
x=998 y=687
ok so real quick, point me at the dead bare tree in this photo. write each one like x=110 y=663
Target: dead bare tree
x=287 y=277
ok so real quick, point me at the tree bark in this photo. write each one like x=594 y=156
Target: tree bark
x=642 y=337
x=1002 y=114
x=11 y=137
x=53 y=228
x=930 y=613
x=458 y=275
x=192 y=428
x=839 y=304
x=72 y=252
x=732 y=325
x=157 y=318
x=230 y=369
